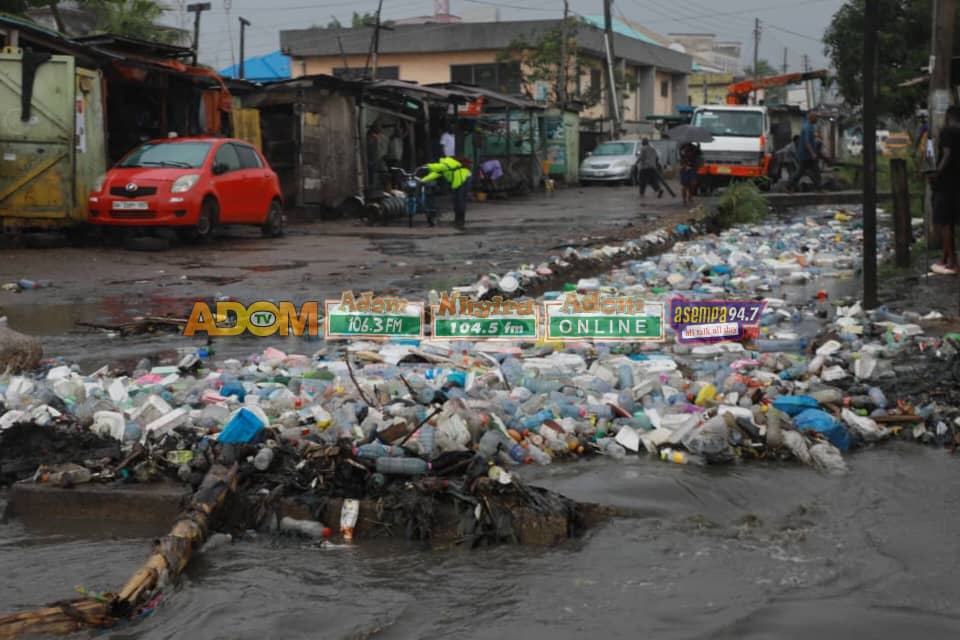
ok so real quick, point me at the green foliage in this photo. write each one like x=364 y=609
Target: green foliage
x=741 y=203
x=540 y=58
x=131 y=18
x=904 y=36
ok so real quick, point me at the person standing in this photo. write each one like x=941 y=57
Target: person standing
x=458 y=177
x=807 y=154
x=449 y=142
x=945 y=181
x=649 y=165
x=689 y=163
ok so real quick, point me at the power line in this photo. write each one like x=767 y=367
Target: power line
x=793 y=33
x=538 y=8
x=746 y=11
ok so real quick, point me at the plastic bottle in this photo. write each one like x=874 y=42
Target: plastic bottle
x=612 y=448
x=263 y=459
x=680 y=457
x=827 y=396
x=767 y=345
x=600 y=411
x=519 y=454
x=877 y=397
x=427 y=439
x=625 y=376
x=402 y=466
x=375 y=450
x=530 y=423
x=306 y=528
x=538 y=455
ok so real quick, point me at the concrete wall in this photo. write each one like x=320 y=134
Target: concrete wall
x=663 y=104
x=425 y=68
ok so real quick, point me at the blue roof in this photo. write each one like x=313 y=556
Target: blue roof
x=266 y=68
x=621 y=28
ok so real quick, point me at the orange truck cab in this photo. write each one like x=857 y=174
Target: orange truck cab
x=742 y=145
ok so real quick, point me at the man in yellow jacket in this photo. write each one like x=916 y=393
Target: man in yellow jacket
x=458 y=177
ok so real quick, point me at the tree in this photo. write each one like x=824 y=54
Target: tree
x=131 y=18
x=540 y=58
x=19 y=7
x=773 y=95
x=903 y=52
x=334 y=24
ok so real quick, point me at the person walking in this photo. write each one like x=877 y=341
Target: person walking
x=458 y=177
x=945 y=181
x=807 y=154
x=649 y=165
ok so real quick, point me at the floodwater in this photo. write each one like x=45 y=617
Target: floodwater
x=753 y=551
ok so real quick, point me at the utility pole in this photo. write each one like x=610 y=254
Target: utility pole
x=785 y=66
x=244 y=23
x=196 y=10
x=870 y=26
x=376 y=42
x=562 y=71
x=613 y=109
x=939 y=98
x=756 y=54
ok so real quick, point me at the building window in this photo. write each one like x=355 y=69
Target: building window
x=503 y=77
x=595 y=88
x=664 y=88
x=356 y=73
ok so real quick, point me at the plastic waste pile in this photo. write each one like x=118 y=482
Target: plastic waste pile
x=810 y=388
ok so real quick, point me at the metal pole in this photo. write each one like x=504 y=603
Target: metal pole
x=376 y=42
x=244 y=23
x=562 y=71
x=756 y=55
x=196 y=10
x=870 y=25
x=613 y=109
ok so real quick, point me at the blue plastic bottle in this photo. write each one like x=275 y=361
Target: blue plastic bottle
x=794 y=345
x=534 y=421
x=376 y=450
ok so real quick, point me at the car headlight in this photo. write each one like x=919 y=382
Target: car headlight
x=620 y=164
x=98 y=183
x=185 y=183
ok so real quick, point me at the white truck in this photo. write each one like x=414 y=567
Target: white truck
x=742 y=146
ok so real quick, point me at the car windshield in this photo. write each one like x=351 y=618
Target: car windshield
x=730 y=123
x=188 y=155
x=615 y=149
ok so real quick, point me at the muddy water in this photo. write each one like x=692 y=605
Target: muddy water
x=754 y=551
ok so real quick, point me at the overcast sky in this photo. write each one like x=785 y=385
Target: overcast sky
x=796 y=25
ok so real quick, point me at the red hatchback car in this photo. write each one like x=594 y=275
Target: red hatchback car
x=190 y=183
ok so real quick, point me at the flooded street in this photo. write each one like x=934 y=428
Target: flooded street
x=753 y=551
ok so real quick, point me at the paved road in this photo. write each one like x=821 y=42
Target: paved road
x=320 y=259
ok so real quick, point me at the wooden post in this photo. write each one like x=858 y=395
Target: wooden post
x=901 y=211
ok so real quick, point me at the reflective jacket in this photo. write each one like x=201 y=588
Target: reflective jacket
x=450 y=170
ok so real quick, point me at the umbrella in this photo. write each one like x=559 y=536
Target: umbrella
x=686 y=133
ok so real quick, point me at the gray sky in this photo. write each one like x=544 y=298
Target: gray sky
x=796 y=25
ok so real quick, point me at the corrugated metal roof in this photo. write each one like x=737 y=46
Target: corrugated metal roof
x=267 y=68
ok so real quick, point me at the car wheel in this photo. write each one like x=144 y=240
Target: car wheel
x=273 y=225
x=209 y=211
x=632 y=181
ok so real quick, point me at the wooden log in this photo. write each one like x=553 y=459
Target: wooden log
x=170 y=556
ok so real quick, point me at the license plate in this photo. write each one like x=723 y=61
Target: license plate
x=724 y=170
x=127 y=205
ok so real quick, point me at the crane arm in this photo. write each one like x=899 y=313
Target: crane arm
x=738 y=91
